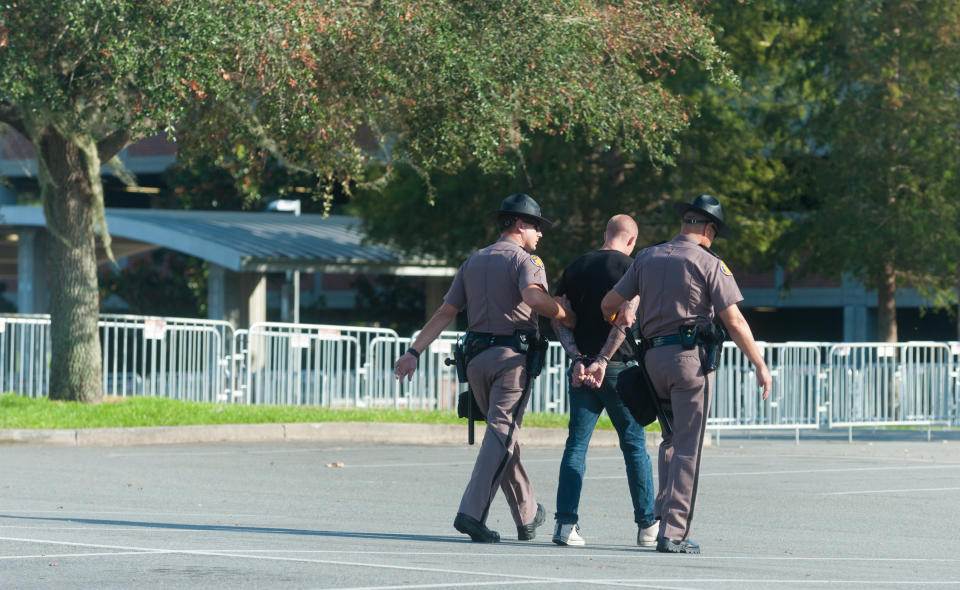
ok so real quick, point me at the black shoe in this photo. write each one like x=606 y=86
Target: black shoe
x=527 y=532
x=665 y=545
x=479 y=533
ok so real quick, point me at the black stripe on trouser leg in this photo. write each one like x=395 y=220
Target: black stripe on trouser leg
x=503 y=463
x=696 y=472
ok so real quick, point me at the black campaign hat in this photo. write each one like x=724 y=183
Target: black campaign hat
x=709 y=206
x=522 y=206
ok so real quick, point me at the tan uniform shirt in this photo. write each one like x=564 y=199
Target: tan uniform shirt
x=679 y=283
x=490 y=282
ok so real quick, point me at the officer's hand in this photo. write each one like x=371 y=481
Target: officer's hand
x=764 y=380
x=626 y=314
x=595 y=372
x=405 y=366
x=570 y=318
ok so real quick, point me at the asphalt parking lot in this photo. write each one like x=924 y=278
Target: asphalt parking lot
x=874 y=513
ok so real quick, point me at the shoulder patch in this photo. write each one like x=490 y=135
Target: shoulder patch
x=537 y=263
x=725 y=269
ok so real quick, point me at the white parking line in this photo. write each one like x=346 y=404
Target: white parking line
x=63 y=555
x=584 y=554
x=889 y=491
x=660 y=583
x=801 y=471
x=502 y=578
x=506 y=578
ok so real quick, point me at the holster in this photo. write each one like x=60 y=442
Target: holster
x=460 y=360
x=710 y=339
x=536 y=350
x=467 y=407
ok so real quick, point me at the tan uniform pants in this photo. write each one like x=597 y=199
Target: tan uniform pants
x=677 y=376
x=497 y=377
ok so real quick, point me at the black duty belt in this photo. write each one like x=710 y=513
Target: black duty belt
x=492 y=339
x=664 y=340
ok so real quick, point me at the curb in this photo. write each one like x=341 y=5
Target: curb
x=371 y=432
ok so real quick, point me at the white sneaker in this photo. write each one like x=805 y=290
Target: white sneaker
x=648 y=537
x=568 y=534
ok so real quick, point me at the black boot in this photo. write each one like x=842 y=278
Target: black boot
x=665 y=545
x=479 y=533
x=527 y=532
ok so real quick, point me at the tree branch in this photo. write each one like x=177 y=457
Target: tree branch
x=110 y=146
x=10 y=116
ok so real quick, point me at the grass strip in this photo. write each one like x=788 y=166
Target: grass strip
x=41 y=413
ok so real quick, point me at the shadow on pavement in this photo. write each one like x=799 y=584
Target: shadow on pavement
x=245 y=529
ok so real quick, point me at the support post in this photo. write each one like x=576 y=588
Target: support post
x=33 y=294
x=237 y=297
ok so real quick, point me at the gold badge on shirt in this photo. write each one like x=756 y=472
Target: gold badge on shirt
x=725 y=269
x=537 y=263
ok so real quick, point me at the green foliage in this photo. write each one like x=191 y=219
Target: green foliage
x=441 y=85
x=219 y=182
x=737 y=147
x=165 y=283
x=886 y=129
x=392 y=302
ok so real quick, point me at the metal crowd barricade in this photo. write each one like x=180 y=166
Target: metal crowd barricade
x=383 y=389
x=308 y=364
x=955 y=381
x=434 y=385
x=179 y=358
x=814 y=384
x=25 y=354
x=169 y=357
x=235 y=367
x=549 y=391
x=883 y=384
x=794 y=401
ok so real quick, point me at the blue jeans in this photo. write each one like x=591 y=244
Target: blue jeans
x=585 y=407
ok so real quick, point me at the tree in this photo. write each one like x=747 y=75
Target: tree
x=885 y=184
x=324 y=88
x=738 y=146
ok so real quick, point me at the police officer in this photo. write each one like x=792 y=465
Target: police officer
x=682 y=284
x=504 y=287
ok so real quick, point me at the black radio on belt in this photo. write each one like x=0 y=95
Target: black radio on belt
x=688 y=337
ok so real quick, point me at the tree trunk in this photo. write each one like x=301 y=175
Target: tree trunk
x=887 y=305
x=70 y=208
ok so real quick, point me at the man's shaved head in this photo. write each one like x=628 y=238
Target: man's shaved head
x=621 y=234
x=622 y=226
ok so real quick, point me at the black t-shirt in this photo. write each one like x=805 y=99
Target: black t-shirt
x=585 y=281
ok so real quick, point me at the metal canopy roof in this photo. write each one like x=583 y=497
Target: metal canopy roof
x=243 y=241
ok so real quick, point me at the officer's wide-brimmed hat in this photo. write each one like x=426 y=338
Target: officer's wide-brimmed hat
x=709 y=206
x=522 y=206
